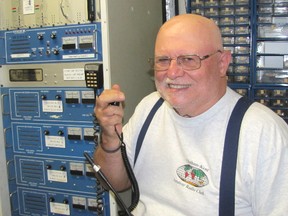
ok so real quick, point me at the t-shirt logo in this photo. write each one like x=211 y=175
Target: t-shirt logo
x=192 y=175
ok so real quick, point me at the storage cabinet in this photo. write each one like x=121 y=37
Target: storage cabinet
x=256 y=33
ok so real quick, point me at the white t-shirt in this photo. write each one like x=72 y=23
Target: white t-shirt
x=179 y=165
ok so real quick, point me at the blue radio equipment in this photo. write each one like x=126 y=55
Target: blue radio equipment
x=47 y=87
x=54 y=44
x=47 y=129
x=46 y=133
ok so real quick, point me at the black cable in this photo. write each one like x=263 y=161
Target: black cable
x=102 y=176
x=130 y=173
x=134 y=184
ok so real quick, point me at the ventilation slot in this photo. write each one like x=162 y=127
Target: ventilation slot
x=32 y=171
x=29 y=138
x=35 y=204
x=20 y=44
x=27 y=104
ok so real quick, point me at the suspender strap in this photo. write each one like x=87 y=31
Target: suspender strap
x=145 y=127
x=228 y=172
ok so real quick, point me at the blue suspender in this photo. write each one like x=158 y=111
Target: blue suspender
x=145 y=127
x=228 y=172
x=229 y=161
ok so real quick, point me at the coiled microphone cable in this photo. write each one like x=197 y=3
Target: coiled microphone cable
x=130 y=173
x=126 y=211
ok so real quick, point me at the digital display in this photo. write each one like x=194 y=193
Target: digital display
x=25 y=75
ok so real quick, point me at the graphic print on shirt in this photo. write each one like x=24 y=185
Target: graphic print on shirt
x=192 y=175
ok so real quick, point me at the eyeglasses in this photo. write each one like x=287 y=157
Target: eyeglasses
x=187 y=62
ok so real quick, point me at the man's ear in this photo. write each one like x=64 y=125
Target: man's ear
x=225 y=60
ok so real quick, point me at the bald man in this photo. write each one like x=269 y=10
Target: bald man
x=178 y=168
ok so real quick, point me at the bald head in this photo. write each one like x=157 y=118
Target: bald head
x=204 y=33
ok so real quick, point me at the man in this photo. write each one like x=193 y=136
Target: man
x=179 y=165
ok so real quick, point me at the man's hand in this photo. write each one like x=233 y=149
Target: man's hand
x=110 y=116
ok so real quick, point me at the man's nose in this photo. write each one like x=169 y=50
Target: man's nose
x=175 y=69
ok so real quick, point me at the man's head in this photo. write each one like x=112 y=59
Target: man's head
x=191 y=88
